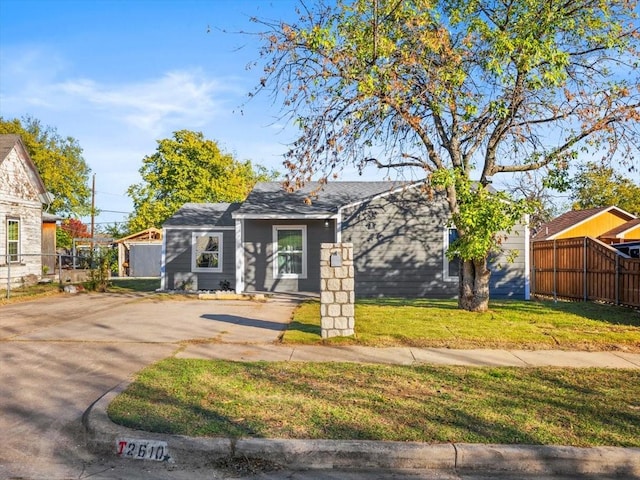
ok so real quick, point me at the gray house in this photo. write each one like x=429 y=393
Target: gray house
x=271 y=242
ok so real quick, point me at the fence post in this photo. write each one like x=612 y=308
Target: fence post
x=7 y=259
x=60 y=268
x=584 y=269
x=533 y=268
x=617 y=276
x=555 y=273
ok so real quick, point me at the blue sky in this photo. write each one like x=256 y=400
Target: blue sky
x=119 y=75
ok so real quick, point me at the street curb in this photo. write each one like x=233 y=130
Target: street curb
x=102 y=435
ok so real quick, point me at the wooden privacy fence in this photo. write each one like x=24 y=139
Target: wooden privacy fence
x=584 y=269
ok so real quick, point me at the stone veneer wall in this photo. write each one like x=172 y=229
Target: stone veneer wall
x=337 y=291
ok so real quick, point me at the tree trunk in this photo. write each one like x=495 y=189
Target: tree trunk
x=474 y=285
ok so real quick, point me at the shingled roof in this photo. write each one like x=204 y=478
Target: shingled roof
x=203 y=215
x=270 y=198
x=619 y=232
x=7 y=142
x=551 y=229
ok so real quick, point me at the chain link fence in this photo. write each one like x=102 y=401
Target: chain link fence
x=23 y=270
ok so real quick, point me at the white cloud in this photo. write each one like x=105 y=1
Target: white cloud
x=156 y=105
x=35 y=79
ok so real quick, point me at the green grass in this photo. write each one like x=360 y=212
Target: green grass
x=580 y=407
x=23 y=294
x=123 y=285
x=508 y=324
x=116 y=285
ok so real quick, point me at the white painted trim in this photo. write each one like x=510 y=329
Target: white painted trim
x=527 y=259
x=274 y=246
x=163 y=262
x=194 y=267
x=339 y=227
x=198 y=228
x=11 y=218
x=239 y=256
x=445 y=261
x=285 y=216
x=623 y=233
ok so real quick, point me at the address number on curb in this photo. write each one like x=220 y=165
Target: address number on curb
x=142 y=449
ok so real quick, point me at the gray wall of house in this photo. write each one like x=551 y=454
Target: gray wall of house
x=258 y=248
x=399 y=244
x=178 y=272
x=508 y=277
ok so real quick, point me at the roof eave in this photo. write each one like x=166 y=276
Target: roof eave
x=284 y=216
x=591 y=217
x=381 y=195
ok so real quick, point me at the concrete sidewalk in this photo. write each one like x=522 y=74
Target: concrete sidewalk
x=103 y=435
x=410 y=355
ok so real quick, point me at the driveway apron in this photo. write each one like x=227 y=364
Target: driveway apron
x=58 y=355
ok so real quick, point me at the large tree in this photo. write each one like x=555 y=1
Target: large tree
x=188 y=168
x=59 y=160
x=459 y=90
x=597 y=185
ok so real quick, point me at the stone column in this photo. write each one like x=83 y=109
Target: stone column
x=337 y=290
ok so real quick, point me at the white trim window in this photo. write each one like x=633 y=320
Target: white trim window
x=206 y=252
x=290 y=251
x=13 y=240
x=451 y=268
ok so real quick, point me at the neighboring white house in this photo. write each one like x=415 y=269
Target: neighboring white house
x=22 y=194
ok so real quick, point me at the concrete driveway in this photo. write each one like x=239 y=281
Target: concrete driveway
x=58 y=355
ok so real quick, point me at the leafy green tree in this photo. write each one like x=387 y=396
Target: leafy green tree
x=63 y=239
x=115 y=230
x=60 y=163
x=455 y=88
x=188 y=168
x=598 y=185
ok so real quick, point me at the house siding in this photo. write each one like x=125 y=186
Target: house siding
x=398 y=246
x=178 y=272
x=19 y=200
x=258 y=250
x=595 y=226
x=399 y=249
x=509 y=275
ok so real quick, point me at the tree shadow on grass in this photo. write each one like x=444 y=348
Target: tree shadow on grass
x=432 y=404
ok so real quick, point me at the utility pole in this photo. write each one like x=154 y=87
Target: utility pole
x=93 y=210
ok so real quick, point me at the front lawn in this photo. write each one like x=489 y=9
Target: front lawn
x=24 y=294
x=580 y=407
x=509 y=324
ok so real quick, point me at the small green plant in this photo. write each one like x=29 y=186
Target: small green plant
x=225 y=285
x=99 y=272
